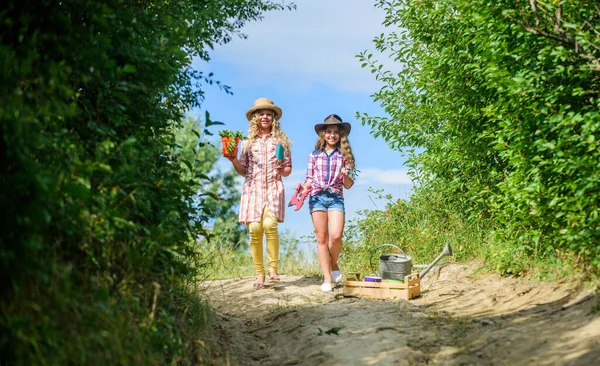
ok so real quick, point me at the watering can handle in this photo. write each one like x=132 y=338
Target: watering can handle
x=377 y=247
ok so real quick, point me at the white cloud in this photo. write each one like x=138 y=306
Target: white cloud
x=375 y=176
x=317 y=43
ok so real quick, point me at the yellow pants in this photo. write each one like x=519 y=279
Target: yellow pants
x=267 y=226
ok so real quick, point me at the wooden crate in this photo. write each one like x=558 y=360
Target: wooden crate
x=410 y=289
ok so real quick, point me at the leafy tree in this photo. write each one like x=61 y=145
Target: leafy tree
x=497 y=107
x=200 y=161
x=95 y=249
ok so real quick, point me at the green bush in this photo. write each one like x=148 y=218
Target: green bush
x=497 y=108
x=97 y=243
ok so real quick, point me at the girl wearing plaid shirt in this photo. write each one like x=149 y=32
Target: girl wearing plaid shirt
x=330 y=169
x=262 y=204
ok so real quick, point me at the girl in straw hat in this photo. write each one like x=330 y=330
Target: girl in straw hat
x=263 y=198
x=330 y=169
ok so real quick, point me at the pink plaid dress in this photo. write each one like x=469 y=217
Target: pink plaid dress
x=262 y=185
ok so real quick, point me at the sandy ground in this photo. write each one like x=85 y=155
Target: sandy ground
x=461 y=318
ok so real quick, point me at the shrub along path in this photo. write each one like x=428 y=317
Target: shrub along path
x=461 y=318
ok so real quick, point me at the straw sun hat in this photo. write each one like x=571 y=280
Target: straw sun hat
x=333 y=119
x=263 y=103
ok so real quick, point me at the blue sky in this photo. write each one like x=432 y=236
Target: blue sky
x=304 y=60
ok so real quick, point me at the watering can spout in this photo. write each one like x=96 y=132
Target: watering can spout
x=447 y=251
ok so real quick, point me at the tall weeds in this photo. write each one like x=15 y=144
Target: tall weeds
x=420 y=227
x=224 y=260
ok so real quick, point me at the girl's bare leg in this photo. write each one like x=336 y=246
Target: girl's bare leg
x=336 y=228
x=320 y=222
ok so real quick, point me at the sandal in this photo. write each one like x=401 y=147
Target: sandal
x=294 y=200
x=297 y=198
x=273 y=276
x=301 y=199
x=259 y=284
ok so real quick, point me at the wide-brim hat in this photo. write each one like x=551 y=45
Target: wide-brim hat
x=333 y=119
x=263 y=103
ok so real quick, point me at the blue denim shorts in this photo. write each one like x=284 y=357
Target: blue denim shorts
x=326 y=201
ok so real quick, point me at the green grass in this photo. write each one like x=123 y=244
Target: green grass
x=422 y=226
x=225 y=262
x=418 y=227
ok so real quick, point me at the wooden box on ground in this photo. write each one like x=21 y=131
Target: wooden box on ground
x=410 y=289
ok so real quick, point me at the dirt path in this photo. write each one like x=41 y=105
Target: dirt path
x=461 y=318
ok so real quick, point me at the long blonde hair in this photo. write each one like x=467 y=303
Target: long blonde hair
x=276 y=130
x=343 y=145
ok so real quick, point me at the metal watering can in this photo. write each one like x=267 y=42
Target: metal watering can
x=396 y=266
x=392 y=266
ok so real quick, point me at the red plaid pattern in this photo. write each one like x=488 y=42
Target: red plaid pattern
x=262 y=185
x=324 y=172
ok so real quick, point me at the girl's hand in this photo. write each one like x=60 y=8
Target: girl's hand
x=306 y=186
x=348 y=177
x=279 y=168
x=349 y=173
x=283 y=171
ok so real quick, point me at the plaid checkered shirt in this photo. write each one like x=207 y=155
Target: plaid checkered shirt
x=262 y=185
x=324 y=172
